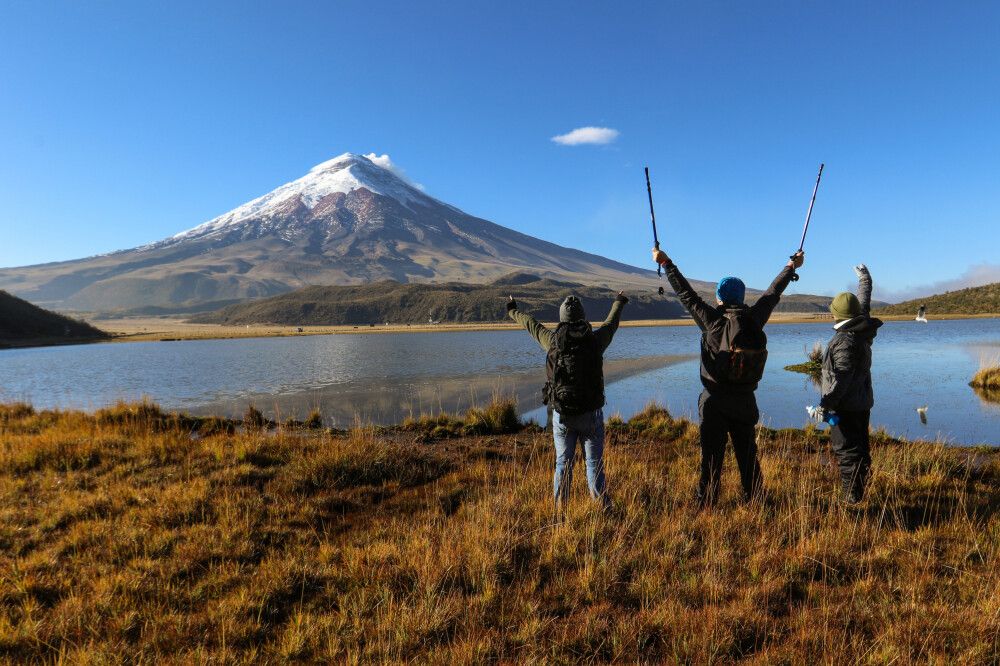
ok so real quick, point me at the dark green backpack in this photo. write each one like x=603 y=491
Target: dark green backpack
x=574 y=367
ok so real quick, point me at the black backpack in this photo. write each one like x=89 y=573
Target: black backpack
x=574 y=367
x=742 y=349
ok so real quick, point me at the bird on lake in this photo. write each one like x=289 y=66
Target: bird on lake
x=922 y=314
x=922 y=413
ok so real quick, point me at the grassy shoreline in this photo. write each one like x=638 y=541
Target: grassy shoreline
x=134 y=535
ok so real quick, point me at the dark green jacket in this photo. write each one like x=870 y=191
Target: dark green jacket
x=544 y=336
x=846 y=379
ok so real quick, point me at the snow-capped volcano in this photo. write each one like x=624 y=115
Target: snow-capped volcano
x=341 y=175
x=350 y=220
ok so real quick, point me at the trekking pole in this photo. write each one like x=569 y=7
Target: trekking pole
x=802 y=242
x=652 y=216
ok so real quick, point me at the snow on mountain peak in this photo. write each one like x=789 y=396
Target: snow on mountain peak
x=342 y=174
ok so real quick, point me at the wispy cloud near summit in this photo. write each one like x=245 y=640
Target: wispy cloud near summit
x=587 y=135
x=386 y=162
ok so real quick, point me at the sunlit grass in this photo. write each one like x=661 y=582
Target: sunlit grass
x=135 y=535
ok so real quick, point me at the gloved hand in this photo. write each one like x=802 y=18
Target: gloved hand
x=660 y=257
x=511 y=304
x=823 y=415
x=621 y=298
x=861 y=270
x=797 y=259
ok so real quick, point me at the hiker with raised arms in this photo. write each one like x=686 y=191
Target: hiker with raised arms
x=574 y=389
x=846 y=384
x=733 y=354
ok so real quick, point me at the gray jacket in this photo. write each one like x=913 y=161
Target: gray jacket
x=846 y=379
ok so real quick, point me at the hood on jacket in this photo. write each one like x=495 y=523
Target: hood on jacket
x=860 y=325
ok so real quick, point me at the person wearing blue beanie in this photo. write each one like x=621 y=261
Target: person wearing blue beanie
x=733 y=354
x=730 y=291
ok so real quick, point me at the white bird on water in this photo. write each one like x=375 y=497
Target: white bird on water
x=921 y=314
x=922 y=413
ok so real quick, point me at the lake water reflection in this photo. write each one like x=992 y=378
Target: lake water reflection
x=383 y=377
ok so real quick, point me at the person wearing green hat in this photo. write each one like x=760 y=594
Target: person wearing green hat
x=574 y=366
x=846 y=384
x=733 y=354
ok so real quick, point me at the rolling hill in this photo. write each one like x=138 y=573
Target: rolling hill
x=24 y=324
x=389 y=301
x=971 y=301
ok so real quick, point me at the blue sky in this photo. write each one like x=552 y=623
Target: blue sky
x=122 y=123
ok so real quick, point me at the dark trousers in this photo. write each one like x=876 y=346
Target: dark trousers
x=728 y=416
x=849 y=440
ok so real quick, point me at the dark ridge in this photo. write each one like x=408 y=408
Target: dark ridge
x=970 y=301
x=446 y=302
x=23 y=324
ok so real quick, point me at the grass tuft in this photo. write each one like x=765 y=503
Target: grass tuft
x=814 y=362
x=499 y=417
x=986 y=383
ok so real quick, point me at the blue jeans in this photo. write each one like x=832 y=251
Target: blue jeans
x=566 y=432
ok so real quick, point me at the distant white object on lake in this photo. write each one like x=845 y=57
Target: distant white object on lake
x=922 y=411
x=921 y=314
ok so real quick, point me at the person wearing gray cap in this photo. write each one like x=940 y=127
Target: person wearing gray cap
x=574 y=389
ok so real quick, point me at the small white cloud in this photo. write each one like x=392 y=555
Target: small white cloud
x=386 y=162
x=587 y=136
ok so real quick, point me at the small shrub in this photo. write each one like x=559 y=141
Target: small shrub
x=655 y=421
x=145 y=415
x=814 y=362
x=987 y=378
x=15 y=412
x=497 y=418
x=314 y=421
x=253 y=419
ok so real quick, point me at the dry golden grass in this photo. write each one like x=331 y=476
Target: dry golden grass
x=986 y=383
x=130 y=535
x=987 y=378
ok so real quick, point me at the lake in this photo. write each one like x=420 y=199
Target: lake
x=383 y=377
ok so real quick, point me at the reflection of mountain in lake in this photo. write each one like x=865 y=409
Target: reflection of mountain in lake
x=391 y=400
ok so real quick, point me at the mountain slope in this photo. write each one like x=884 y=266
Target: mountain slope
x=348 y=221
x=971 y=301
x=22 y=323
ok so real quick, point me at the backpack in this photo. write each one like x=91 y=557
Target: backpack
x=574 y=367
x=742 y=350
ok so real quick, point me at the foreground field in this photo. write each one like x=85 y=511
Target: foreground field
x=131 y=535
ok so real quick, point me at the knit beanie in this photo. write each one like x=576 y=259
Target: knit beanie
x=845 y=306
x=571 y=310
x=731 y=291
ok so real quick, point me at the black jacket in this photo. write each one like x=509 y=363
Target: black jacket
x=712 y=321
x=846 y=380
